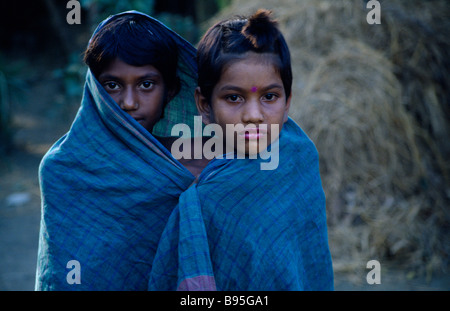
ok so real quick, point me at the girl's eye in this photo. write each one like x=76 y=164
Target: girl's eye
x=111 y=86
x=270 y=97
x=147 y=84
x=234 y=98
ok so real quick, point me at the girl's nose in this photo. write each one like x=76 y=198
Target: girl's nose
x=129 y=101
x=252 y=112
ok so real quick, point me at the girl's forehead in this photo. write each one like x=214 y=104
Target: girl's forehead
x=243 y=65
x=253 y=58
x=250 y=76
x=250 y=60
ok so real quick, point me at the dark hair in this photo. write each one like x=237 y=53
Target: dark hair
x=137 y=41
x=229 y=39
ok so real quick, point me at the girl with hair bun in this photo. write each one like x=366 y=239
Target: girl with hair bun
x=255 y=48
x=239 y=227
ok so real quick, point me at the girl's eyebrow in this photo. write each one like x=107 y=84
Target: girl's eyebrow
x=262 y=89
x=152 y=75
x=271 y=87
x=231 y=88
x=108 y=76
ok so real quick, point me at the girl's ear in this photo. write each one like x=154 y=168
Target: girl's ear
x=286 y=109
x=203 y=106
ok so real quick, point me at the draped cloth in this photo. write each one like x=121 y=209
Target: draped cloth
x=108 y=187
x=115 y=201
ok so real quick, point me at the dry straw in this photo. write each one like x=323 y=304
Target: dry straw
x=375 y=100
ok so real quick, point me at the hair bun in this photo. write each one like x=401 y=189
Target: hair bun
x=260 y=29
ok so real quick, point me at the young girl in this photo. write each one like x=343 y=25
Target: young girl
x=240 y=227
x=109 y=185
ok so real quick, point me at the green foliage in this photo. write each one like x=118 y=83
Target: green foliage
x=72 y=77
x=5 y=131
x=182 y=25
x=9 y=84
x=74 y=74
x=221 y=4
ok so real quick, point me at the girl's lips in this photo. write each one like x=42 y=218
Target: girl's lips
x=252 y=136
x=253 y=133
x=139 y=119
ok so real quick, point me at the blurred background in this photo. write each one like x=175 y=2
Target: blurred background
x=373 y=98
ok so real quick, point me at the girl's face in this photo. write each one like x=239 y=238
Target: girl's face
x=137 y=90
x=250 y=92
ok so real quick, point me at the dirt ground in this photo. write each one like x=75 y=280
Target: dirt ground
x=39 y=119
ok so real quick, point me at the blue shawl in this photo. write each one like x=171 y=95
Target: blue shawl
x=108 y=187
x=116 y=202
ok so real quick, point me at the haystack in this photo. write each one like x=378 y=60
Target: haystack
x=375 y=100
